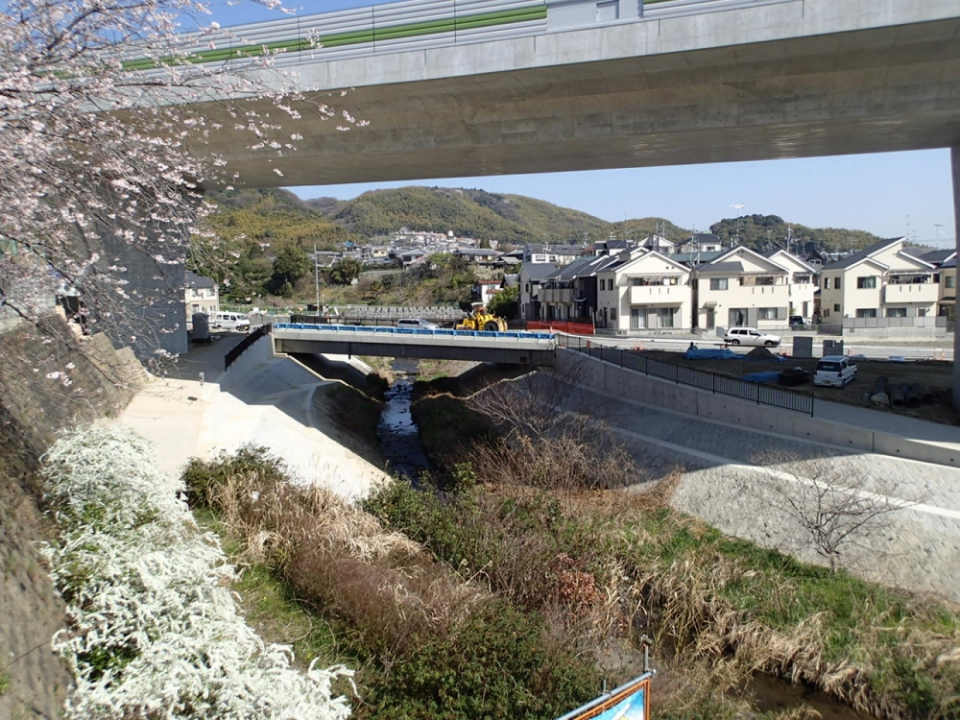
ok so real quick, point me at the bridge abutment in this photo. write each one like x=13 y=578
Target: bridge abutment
x=955 y=158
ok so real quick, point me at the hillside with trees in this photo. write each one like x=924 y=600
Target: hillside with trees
x=257 y=240
x=758 y=231
x=513 y=219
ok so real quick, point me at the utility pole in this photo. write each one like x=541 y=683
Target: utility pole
x=316 y=277
x=739 y=208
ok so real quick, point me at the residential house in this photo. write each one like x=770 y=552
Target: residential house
x=704 y=242
x=644 y=291
x=877 y=282
x=660 y=244
x=741 y=287
x=947 y=304
x=531 y=275
x=553 y=254
x=945 y=261
x=612 y=246
x=478 y=256
x=483 y=290
x=200 y=295
x=802 y=281
x=569 y=294
x=408 y=257
x=816 y=259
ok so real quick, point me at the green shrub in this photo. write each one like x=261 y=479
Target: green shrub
x=202 y=477
x=496 y=664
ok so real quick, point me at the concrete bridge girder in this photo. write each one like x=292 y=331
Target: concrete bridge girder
x=486 y=352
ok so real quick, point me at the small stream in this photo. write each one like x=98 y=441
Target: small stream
x=400 y=445
x=399 y=435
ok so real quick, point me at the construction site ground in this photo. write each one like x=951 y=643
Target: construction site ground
x=934 y=374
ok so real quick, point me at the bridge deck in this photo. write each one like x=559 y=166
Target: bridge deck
x=525 y=348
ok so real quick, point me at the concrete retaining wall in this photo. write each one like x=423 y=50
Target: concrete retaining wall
x=260 y=352
x=631 y=385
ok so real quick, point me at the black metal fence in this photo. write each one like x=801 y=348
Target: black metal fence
x=780 y=397
x=241 y=347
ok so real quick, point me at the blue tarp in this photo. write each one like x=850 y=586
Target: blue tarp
x=762 y=377
x=719 y=354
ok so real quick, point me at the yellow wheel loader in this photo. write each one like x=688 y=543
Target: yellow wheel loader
x=482 y=321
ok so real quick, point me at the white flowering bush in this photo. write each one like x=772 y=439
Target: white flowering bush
x=154 y=630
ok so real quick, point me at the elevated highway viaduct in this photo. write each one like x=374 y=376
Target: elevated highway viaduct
x=583 y=84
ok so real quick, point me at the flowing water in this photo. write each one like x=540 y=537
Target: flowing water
x=399 y=435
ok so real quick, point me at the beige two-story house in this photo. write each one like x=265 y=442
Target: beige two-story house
x=802 y=282
x=200 y=295
x=948 y=290
x=644 y=290
x=741 y=287
x=880 y=281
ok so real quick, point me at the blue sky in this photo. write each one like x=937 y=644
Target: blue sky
x=889 y=194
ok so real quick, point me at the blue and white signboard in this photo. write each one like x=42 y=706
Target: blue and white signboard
x=627 y=702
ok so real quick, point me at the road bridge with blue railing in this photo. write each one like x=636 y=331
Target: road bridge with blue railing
x=519 y=348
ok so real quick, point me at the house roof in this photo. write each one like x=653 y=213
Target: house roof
x=577 y=267
x=192 y=280
x=740 y=250
x=770 y=256
x=651 y=254
x=861 y=255
x=511 y=280
x=554 y=249
x=938 y=257
x=951 y=263
x=724 y=267
x=702 y=257
x=537 y=271
x=475 y=251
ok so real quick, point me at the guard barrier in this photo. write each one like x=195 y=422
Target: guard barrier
x=779 y=397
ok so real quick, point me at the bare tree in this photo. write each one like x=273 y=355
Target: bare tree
x=833 y=506
x=534 y=404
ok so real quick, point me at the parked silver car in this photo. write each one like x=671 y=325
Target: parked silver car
x=750 y=336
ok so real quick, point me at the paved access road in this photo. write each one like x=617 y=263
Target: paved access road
x=919 y=350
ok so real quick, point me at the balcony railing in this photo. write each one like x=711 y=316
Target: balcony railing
x=911 y=293
x=658 y=294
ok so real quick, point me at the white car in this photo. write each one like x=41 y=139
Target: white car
x=417 y=324
x=750 y=336
x=835 y=371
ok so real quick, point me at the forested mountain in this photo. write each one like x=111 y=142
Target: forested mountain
x=514 y=219
x=756 y=231
x=251 y=231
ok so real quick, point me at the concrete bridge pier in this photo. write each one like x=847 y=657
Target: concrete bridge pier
x=955 y=157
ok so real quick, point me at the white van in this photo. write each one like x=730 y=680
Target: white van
x=835 y=371
x=229 y=321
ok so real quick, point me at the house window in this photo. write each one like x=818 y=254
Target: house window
x=613 y=313
x=603 y=284
x=921 y=312
x=826 y=283
x=719 y=283
x=528 y=288
x=836 y=307
x=866 y=312
x=767 y=313
x=950 y=281
x=801 y=279
x=867 y=283
x=836 y=284
x=897 y=312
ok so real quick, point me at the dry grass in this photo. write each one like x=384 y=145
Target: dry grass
x=381 y=582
